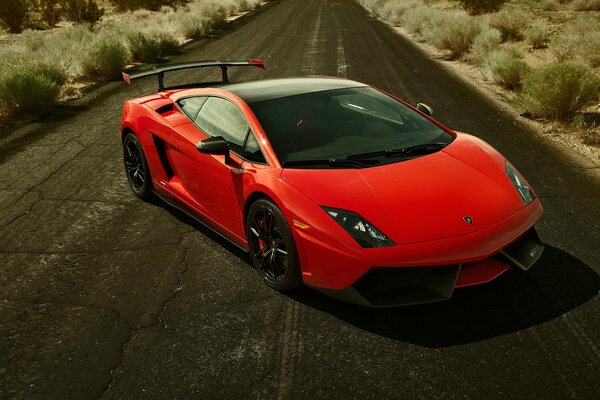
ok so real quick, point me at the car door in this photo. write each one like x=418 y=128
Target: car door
x=216 y=186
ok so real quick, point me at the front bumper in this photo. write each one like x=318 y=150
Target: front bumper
x=421 y=272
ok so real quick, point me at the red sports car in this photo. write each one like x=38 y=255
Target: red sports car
x=333 y=184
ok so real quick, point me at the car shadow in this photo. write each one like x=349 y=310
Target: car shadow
x=517 y=300
x=557 y=284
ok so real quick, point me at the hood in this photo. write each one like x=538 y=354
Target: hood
x=423 y=199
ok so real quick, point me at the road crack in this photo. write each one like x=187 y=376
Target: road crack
x=134 y=330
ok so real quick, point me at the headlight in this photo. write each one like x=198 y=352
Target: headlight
x=517 y=180
x=365 y=234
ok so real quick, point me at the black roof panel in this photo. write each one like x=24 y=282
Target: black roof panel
x=269 y=89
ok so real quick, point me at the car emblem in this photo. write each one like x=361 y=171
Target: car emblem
x=468 y=220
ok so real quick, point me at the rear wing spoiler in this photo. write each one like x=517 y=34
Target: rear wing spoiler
x=159 y=71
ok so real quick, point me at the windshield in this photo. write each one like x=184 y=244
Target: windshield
x=319 y=129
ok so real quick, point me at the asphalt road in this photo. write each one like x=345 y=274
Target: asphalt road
x=105 y=296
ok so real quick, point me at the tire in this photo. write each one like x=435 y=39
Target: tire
x=136 y=167
x=272 y=247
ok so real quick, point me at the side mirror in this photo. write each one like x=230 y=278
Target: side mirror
x=215 y=145
x=425 y=109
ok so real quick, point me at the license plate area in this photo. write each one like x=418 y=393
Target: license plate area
x=525 y=251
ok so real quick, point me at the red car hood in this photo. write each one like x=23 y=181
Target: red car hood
x=423 y=199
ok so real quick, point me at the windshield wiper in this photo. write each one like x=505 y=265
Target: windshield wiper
x=409 y=151
x=330 y=162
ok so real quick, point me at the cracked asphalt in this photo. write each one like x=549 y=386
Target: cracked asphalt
x=105 y=296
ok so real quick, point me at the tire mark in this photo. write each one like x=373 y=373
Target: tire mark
x=290 y=349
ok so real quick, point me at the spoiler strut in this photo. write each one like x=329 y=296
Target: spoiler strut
x=159 y=71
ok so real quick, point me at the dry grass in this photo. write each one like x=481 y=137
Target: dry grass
x=28 y=86
x=579 y=41
x=586 y=5
x=560 y=91
x=83 y=55
x=454 y=31
x=488 y=40
x=511 y=23
x=553 y=31
x=537 y=36
x=505 y=67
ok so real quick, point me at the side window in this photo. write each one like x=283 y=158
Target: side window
x=192 y=105
x=219 y=117
x=252 y=150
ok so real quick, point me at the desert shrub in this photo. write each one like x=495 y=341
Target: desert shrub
x=66 y=46
x=49 y=12
x=548 y=5
x=579 y=42
x=13 y=14
x=417 y=20
x=31 y=40
x=246 y=5
x=505 y=68
x=485 y=42
x=586 y=5
x=193 y=26
x=82 y=11
x=149 y=46
x=482 y=6
x=454 y=32
x=105 y=58
x=392 y=11
x=200 y=19
x=144 y=47
x=560 y=90
x=153 y=5
x=167 y=42
x=28 y=86
x=591 y=137
x=510 y=23
x=537 y=36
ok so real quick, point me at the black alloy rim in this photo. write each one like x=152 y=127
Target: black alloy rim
x=135 y=166
x=268 y=245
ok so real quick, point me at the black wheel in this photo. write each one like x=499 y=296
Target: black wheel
x=272 y=246
x=136 y=167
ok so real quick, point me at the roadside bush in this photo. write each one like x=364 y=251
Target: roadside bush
x=65 y=46
x=28 y=86
x=193 y=26
x=510 y=23
x=579 y=42
x=247 y=5
x=591 y=137
x=150 y=46
x=488 y=40
x=82 y=11
x=144 y=47
x=392 y=11
x=13 y=14
x=167 y=42
x=505 y=68
x=105 y=58
x=454 y=32
x=559 y=91
x=152 y=5
x=537 y=36
x=417 y=20
x=482 y=6
x=49 y=12
x=549 y=5
x=586 y=5
x=31 y=40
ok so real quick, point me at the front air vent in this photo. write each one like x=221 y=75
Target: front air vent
x=164 y=109
x=385 y=286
